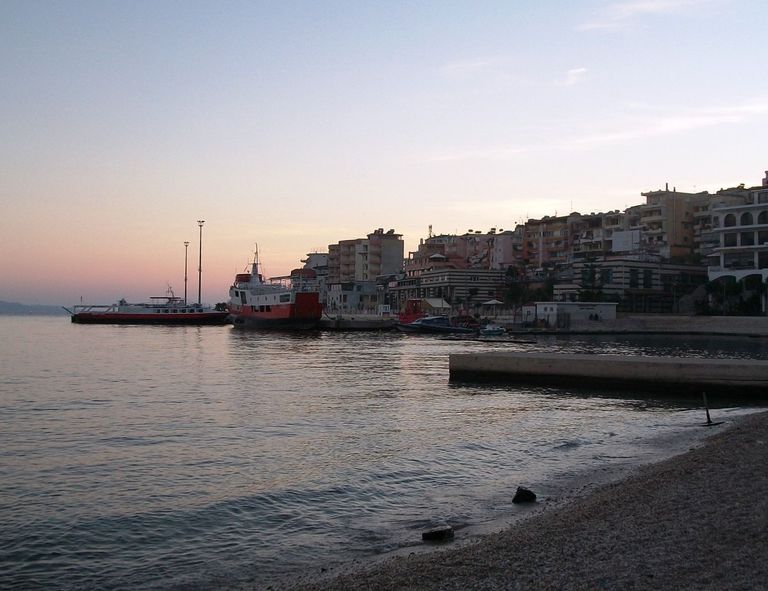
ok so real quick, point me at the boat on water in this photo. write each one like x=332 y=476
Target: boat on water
x=167 y=309
x=290 y=303
x=434 y=325
x=492 y=330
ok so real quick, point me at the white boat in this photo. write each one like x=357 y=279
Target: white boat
x=167 y=309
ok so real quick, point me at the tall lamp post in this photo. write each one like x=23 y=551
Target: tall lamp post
x=186 y=250
x=200 y=265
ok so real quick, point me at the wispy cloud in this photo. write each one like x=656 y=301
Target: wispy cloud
x=573 y=77
x=656 y=125
x=619 y=14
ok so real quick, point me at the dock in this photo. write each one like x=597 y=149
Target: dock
x=665 y=375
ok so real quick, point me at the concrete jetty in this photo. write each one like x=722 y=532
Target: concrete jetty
x=678 y=373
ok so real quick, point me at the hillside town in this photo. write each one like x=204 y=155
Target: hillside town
x=676 y=253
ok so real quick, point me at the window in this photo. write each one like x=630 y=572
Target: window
x=746 y=219
x=762 y=218
x=633 y=277
x=647 y=278
x=730 y=220
x=747 y=238
x=729 y=239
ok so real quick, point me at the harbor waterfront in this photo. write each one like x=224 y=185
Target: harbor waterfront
x=164 y=457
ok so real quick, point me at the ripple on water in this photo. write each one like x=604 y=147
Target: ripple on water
x=156 y=457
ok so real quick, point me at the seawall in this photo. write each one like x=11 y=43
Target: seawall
x=677 y=374
x=753 y=326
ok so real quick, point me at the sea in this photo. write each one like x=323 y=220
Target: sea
x=154 y=457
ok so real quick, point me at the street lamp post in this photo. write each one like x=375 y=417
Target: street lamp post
x=200 y=265
x=186 y=250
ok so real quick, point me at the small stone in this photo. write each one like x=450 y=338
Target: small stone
x=438 y=534
x=523 y=495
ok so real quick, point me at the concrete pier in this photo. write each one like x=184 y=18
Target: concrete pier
x=678 y=374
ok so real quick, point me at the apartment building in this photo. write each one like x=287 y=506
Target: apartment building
x=740 y=224
x=365 y=259
x=667 y=222
x=546 y=242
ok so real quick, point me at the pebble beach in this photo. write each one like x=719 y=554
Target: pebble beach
x=698 y=520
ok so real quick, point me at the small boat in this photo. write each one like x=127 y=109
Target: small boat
x=492 y=330
x=256 y=303
x=434 y=325
x=166 y=309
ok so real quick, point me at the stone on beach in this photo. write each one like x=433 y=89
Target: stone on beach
x=438 y=534
x=524 y=495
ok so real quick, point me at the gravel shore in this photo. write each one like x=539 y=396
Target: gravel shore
x=695 y=521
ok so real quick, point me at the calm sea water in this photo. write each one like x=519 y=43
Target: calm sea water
x=175 y=457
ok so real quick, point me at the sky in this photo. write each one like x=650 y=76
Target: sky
x=298 y=124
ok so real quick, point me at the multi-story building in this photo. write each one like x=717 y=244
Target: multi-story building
x=459 y=268
x=357 y=268
x=546 y=242
x=365 y=259
x=741 y=226
x=637 y=285
x=667 y=222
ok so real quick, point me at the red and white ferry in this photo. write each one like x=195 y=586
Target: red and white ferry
x=256 y=303
x=166 y=309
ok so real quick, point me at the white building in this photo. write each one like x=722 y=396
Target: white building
x=742 y=235
x=563 y=314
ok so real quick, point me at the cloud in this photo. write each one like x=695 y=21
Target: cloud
x=618 y=14
x=573 y=77
x=657 y=124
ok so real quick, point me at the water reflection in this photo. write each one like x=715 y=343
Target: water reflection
x=160 y=456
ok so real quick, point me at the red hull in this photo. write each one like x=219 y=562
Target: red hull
x=304 y=314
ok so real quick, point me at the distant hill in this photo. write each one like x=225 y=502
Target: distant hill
x=15 y=309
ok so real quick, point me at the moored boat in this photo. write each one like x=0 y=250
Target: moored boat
x=166 y=309
x=256 y=303
x=492 y=330
x=434 y=325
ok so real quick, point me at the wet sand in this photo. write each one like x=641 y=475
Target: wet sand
x=696 y=521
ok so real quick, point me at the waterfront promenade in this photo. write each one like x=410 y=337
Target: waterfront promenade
x=695 y=521
x=755 y=326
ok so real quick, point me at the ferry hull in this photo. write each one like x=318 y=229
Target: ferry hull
x=275 y=323
x=304 y=314
x=205 y=318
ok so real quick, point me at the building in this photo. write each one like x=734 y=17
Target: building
x=358 y=270
x=546 y=242
x=636 y=284
x=667 y=223
x=563 y=314
x=365 y=259
x=740 y=225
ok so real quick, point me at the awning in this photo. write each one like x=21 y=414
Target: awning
x=437 y=303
